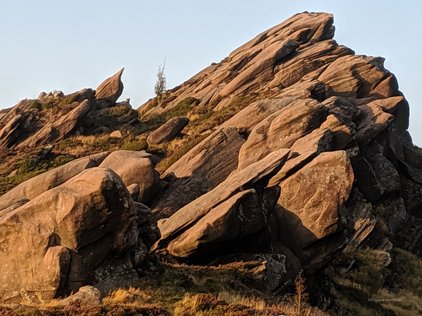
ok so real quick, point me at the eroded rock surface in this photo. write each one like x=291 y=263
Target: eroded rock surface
x=168 y=130
x=68 y=232
x=306 y=156
x=111 y=89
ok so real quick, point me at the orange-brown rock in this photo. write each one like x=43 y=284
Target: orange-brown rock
x=312 y=199
x=110 y=89
x=72 y=235
x=135 y=167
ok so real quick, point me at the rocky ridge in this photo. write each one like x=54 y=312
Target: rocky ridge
x=293 y=151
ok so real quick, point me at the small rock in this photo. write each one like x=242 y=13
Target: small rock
x=87 y=295
x=116 y=134
x=42 y=95
x=58 y=94
x=13 y=173
x=134 y=190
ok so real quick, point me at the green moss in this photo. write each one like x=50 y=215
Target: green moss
x=208 y=118
x=27 y=165
x=30 y=167
x=370 y=287
x=135 y=144
x=35 y=104
x=180 y=109
x=67 y=100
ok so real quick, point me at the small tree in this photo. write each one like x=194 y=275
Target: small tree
x=160 y=84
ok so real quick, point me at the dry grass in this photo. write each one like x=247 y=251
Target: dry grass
x=186 y=290
x=371 y=288
x=235 y=305
x=208 y=290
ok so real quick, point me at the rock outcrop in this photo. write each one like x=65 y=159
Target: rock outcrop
x=294 y=152
x=78 y=224
x=53 y=117
x=72 y=233
x=340 y=117
x=135 y=168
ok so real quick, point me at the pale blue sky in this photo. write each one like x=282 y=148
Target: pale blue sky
x=73 y=44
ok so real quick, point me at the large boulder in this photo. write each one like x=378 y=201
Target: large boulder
x=135 y=167
x=313 y=199
x=228 y=223
x=72 y=234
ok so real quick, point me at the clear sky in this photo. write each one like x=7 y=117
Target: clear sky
x=72 y=44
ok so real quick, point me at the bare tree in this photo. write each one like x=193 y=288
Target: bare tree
x=160 y=84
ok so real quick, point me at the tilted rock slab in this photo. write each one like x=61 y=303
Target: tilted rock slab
x=192 y=213
x=37 y=185
x=199 y=171
x=168 y=130
x=110 y=89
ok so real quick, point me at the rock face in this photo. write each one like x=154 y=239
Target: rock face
x=304 y=156
x=340 y=122
x=203 y=205
x=310 y=207
x=199 y=171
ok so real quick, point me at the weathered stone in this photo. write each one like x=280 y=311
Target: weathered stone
x=134 y=167
x=116 y=134
x=229 y=222
x=59 y=129
x=191 y=213
x=111 y=89
x=281 y=130
x=168 y=130
x=311 y=200
x=199 y=170
x=68 y=232
x=50 y=179
x=87 y=295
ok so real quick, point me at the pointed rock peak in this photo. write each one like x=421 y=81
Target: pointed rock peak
x=111 y=88
x=294 y=51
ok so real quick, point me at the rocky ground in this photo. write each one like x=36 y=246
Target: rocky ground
x=281 y=180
